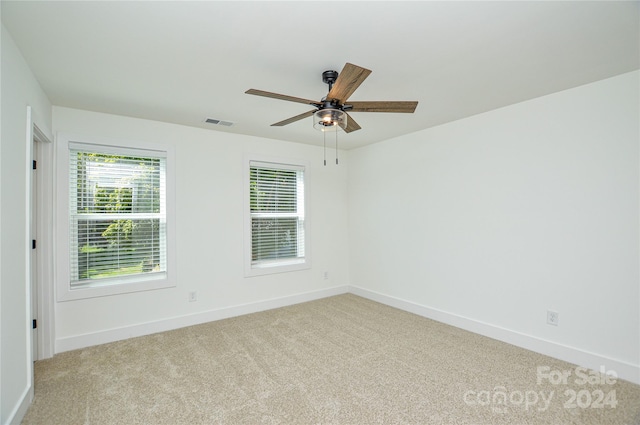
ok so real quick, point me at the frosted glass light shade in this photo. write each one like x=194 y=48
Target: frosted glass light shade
x=329 y=119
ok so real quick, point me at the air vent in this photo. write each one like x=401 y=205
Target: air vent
x=218 y=122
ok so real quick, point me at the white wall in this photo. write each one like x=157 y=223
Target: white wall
x=19 y=90
x=491 y=220
x=209 y=227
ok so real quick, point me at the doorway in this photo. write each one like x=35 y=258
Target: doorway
x=34 y=252
x=40 y=234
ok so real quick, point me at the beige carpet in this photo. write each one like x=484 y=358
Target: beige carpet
x=340 y=360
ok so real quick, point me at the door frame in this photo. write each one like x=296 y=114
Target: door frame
x=44 y=215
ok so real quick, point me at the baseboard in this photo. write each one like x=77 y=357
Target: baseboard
x=16 y=415
x=624 y=370
x=87 y=340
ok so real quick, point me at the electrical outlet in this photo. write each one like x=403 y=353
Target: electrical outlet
x=325 y=275
x=552 y=318
x=193 y=296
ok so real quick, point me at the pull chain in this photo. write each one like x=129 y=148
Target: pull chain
x=324 y=137
x=336 y=146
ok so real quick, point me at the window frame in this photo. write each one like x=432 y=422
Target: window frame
x=286 y=264
x=132 y=283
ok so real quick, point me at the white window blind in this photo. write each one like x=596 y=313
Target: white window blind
x=117 y=215
x=277 y=214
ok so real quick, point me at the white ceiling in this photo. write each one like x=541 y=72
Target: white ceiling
x=182 y=62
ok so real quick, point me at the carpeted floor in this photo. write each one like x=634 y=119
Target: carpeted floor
x=340 y=360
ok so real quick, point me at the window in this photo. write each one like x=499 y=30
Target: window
x=116 y=223
x=117 y=216
x=277 y=217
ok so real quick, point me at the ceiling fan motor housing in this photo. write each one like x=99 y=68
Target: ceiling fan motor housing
x=330 y=77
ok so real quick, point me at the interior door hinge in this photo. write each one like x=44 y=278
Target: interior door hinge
x=34 y=165
x=33 y=244
x=34 y=324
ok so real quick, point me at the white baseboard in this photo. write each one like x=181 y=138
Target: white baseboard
x=87 y=340
x=624 y=370
x=20 y=409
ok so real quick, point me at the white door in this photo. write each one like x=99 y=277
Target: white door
x=34 y=251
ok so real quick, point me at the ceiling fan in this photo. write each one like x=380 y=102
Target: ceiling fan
x=331 y=111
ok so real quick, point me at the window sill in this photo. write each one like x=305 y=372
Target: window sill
x=114 y=288
x=277 y=267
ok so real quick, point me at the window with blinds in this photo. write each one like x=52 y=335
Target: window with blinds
x=117 y=216
x=276 y=203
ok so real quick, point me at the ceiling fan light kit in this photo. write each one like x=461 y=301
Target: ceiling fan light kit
x=329 y=119
x=331 y=111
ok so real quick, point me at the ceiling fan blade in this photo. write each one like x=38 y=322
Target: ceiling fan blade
x=348 y=81
x=293 y=119
x=280 y=96
x=384 y=106
x=352 y=125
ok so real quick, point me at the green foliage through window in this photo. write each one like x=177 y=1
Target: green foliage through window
x=117 y=218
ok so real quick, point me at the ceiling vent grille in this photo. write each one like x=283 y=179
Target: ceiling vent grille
x=218 y=122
